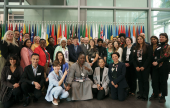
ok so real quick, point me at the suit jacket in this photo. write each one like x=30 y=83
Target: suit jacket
x=130 y=56
x=121 y=71
x=146 y=58
x=84 y=48
x=28 y=75
x=105 y=79
x=73 y=56
x=42 y=59
x=50 y=50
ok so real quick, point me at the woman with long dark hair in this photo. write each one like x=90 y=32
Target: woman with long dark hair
x=26 y=53
x=11 y=75
x=162 y=55
x=141 y=62
x=118 y=49
x=92 y=56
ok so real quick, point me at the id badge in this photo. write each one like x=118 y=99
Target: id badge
x=46 y=51
x=92 y=59
x=155 y=58
x=81 y=80
x=159 y=48
x=9 y=77
x=140 y=58
x=133 y=50
x=38 y=74
x=82 y=74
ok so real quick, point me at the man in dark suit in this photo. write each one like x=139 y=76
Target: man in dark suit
x=74 y=50
x=50 y=48
x=17 y=35
x=32 y=80
x=85 y=46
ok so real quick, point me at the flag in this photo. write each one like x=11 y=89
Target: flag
x=71 y=30
x=117 y=31
x=16 y=28
x=24 y=29
x=126 y=31
x=137 y=32
x=106 y=31
x=47 y=34
x=9 y=28
x=111 y=33
x=0 y=31
x=81 y=31
x=99 y=32
x=37 y=31
x=40 y=31
x=143 y=29
x=91 y=33
x=78 y=32
x=65 y=34
x=94 y=31
x=84 y=30
x=6 y=28
x=123 y=29
x=129 y=31
x=86 y=34
x=55 y=38
x=68 y=32
x=3 y=30
x=75 y=31
x=114 y=32
x=21 y=34
x=49 y=31
x=32 y=33
x=52 y=32
x=134 y=35
x=29 y=29
x=60 y=32
x=104 y=34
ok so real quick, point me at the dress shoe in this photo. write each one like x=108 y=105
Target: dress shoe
x=35 y=99
x=154 y=97
x=27 y=101
x=145 y=98
x=139 y=97
x=162 y=99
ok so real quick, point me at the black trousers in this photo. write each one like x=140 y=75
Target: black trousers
x=99 y=94
x=93 y=68
x=131 y=78
x=27 y=88
x=16 y=93
x=155 y=80
x=118 y=93
x=163 y=74
x=143 y=82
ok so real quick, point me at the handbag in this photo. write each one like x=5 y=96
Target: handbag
x=5 y=93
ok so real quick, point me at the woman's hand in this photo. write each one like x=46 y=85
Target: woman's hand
x=66 y=72
x=116 y=86
x=16 y=85
x=101 y=88
x=137 y=69
x=98 y=87
x=112 y=83
x=155 y=63
x=67 y=88
x=142 y=68
x=47 y=79
x=86 y=68
x=127 y=64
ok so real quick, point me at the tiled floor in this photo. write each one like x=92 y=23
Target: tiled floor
x=130 y=102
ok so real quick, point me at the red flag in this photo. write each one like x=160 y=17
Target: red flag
x=12 y=27
x=123 y=29
x=65 y=34
x=129 y=32
x=52 y=32
x=119 y=29
x=16 y=28
x=141 y=30
x=29 y=30
x=60 y=33
x=137 y=31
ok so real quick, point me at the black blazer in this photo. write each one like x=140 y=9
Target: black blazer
x=73 y=56
x=146 y=58
x=50 y=50
x=28 y=75
x=130 y=56
x=103 y=52
x=121 y=71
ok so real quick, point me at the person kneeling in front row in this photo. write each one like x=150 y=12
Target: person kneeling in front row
x=117 y=71
x=32 y=79
x=56 y=84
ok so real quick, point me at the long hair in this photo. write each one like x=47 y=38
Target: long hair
x=143 y=44
x=94 y=47
x=5 y=38
x=56 y=58
x=14 y=57
x=114 y=49
x=154 y=38
x=26 y=42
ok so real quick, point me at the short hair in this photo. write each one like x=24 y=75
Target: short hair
x=43 y=40
x=56 y=58
x=102 y=59
x=15 y=57
x=56 y=63
x=36 y=37
x=109 y=42
x=34 y=54
x=100 y=40
x=81 y=53
x=122 y=34
x=26 y=42
x=130 y=39
x=116 y=54
x=49 y=39
x=75 y=37
x=16 y=30
x=26 y=33
x=155 y=38
x=164 y=34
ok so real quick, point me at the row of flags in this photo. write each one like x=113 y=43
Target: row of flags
x=70 y=30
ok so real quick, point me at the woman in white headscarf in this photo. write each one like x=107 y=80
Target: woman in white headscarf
x=63 y=48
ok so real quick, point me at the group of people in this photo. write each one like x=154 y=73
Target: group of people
x=82 y=71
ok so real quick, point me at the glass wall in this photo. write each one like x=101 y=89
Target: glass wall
x=100 y=3
x=131 y=3
x=160 y=3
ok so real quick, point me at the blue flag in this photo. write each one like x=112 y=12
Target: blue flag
x=50 y=32
x=139 y=30
x=19 y=32
x=131 y=32
x=143 y=29
x=6 y=28
x=32 y=34
x=71 y=30
x=116 y=31
x=104 y=34
x=126 y=31
x=91 y=32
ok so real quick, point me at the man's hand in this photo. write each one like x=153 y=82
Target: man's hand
x=37 y=85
